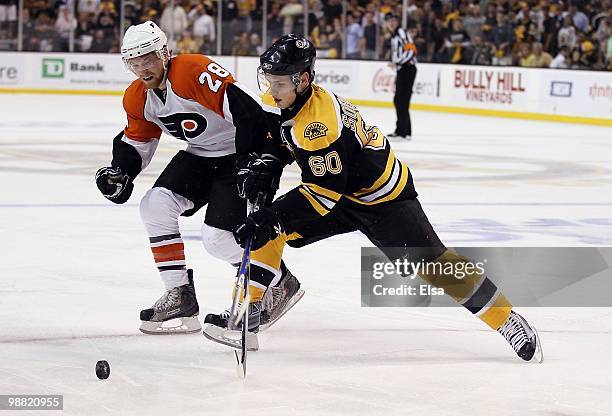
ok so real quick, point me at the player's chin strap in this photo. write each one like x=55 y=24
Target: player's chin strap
x=166 y=63
x=295 y=78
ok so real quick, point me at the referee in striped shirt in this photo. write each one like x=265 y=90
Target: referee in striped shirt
x=403 y=59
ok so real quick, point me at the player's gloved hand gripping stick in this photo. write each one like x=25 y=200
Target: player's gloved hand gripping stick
x=257 y=174
x=259 y=227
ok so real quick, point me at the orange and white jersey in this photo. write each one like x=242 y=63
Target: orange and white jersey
x=196 y=108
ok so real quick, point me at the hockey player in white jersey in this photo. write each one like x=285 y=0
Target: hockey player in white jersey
x=194 y=99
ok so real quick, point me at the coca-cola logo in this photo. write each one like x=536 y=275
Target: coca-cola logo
x=383 y=81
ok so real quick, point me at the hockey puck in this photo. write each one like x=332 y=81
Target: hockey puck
x=102 y=370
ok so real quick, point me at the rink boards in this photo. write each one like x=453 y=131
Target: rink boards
x=525 y=93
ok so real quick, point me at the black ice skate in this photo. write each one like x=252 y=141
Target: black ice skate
x=522 y=337
x=398 y=137
x=218 y=329
x=279 y=299
x=176 y=312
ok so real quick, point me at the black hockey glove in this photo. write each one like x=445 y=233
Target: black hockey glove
x=262 y=226
x=258 y=174
x=114 y=184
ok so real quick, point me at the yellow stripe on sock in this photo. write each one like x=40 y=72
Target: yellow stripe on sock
x=497 y=314
x=454 y=287
x=256 y=293
x=271 y=253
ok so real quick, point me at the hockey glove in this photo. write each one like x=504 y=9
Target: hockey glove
x=262 y=226
x=114 y=184
x=258 y=174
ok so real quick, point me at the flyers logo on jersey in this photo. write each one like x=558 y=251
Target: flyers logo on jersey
x=315 y=130
x=184 y=126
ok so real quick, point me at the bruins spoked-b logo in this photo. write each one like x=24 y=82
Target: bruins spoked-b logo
x=184 y=126
x=315 y=130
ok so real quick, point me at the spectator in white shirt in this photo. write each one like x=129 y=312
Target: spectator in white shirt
x=204 y=27
x=354 y=33
x=567 y=34
x=290 y=12
x=561 y=60
x=65 y=24
x=174 y=20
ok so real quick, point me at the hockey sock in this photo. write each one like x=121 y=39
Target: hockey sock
x=476 y=292
x=169 y=255
x=266 y=266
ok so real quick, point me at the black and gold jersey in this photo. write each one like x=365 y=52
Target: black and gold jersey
x=342 y=159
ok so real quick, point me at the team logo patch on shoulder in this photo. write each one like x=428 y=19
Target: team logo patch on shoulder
x=315 y=130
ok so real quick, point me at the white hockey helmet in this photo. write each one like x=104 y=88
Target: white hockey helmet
x=142 y=39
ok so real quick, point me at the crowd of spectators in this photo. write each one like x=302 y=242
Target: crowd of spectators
x=574 y=34
x=95 y=24
x=534 y=33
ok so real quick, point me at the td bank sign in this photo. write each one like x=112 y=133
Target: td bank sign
x=57 y=68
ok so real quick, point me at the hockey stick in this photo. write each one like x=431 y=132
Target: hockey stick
x=242 y=285
x=243 y=313
x=243 y=274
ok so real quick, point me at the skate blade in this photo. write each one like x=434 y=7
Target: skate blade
x=294 y=299
x=230 y=338
x=539 y=354
x=184 y=325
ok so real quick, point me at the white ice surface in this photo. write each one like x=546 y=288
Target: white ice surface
x=77 y=269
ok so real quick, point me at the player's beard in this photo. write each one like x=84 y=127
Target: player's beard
x=154 y=82
x=153 y=78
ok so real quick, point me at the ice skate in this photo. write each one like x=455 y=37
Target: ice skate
x=176 y=312
x=216 y=328
x=522 y=337
x=276 y=302
x=279 y=299
x=399 y=137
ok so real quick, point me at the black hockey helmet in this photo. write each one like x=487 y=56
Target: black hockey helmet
x=289 y=55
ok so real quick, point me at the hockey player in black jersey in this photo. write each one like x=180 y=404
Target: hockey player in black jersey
x=352 y=180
